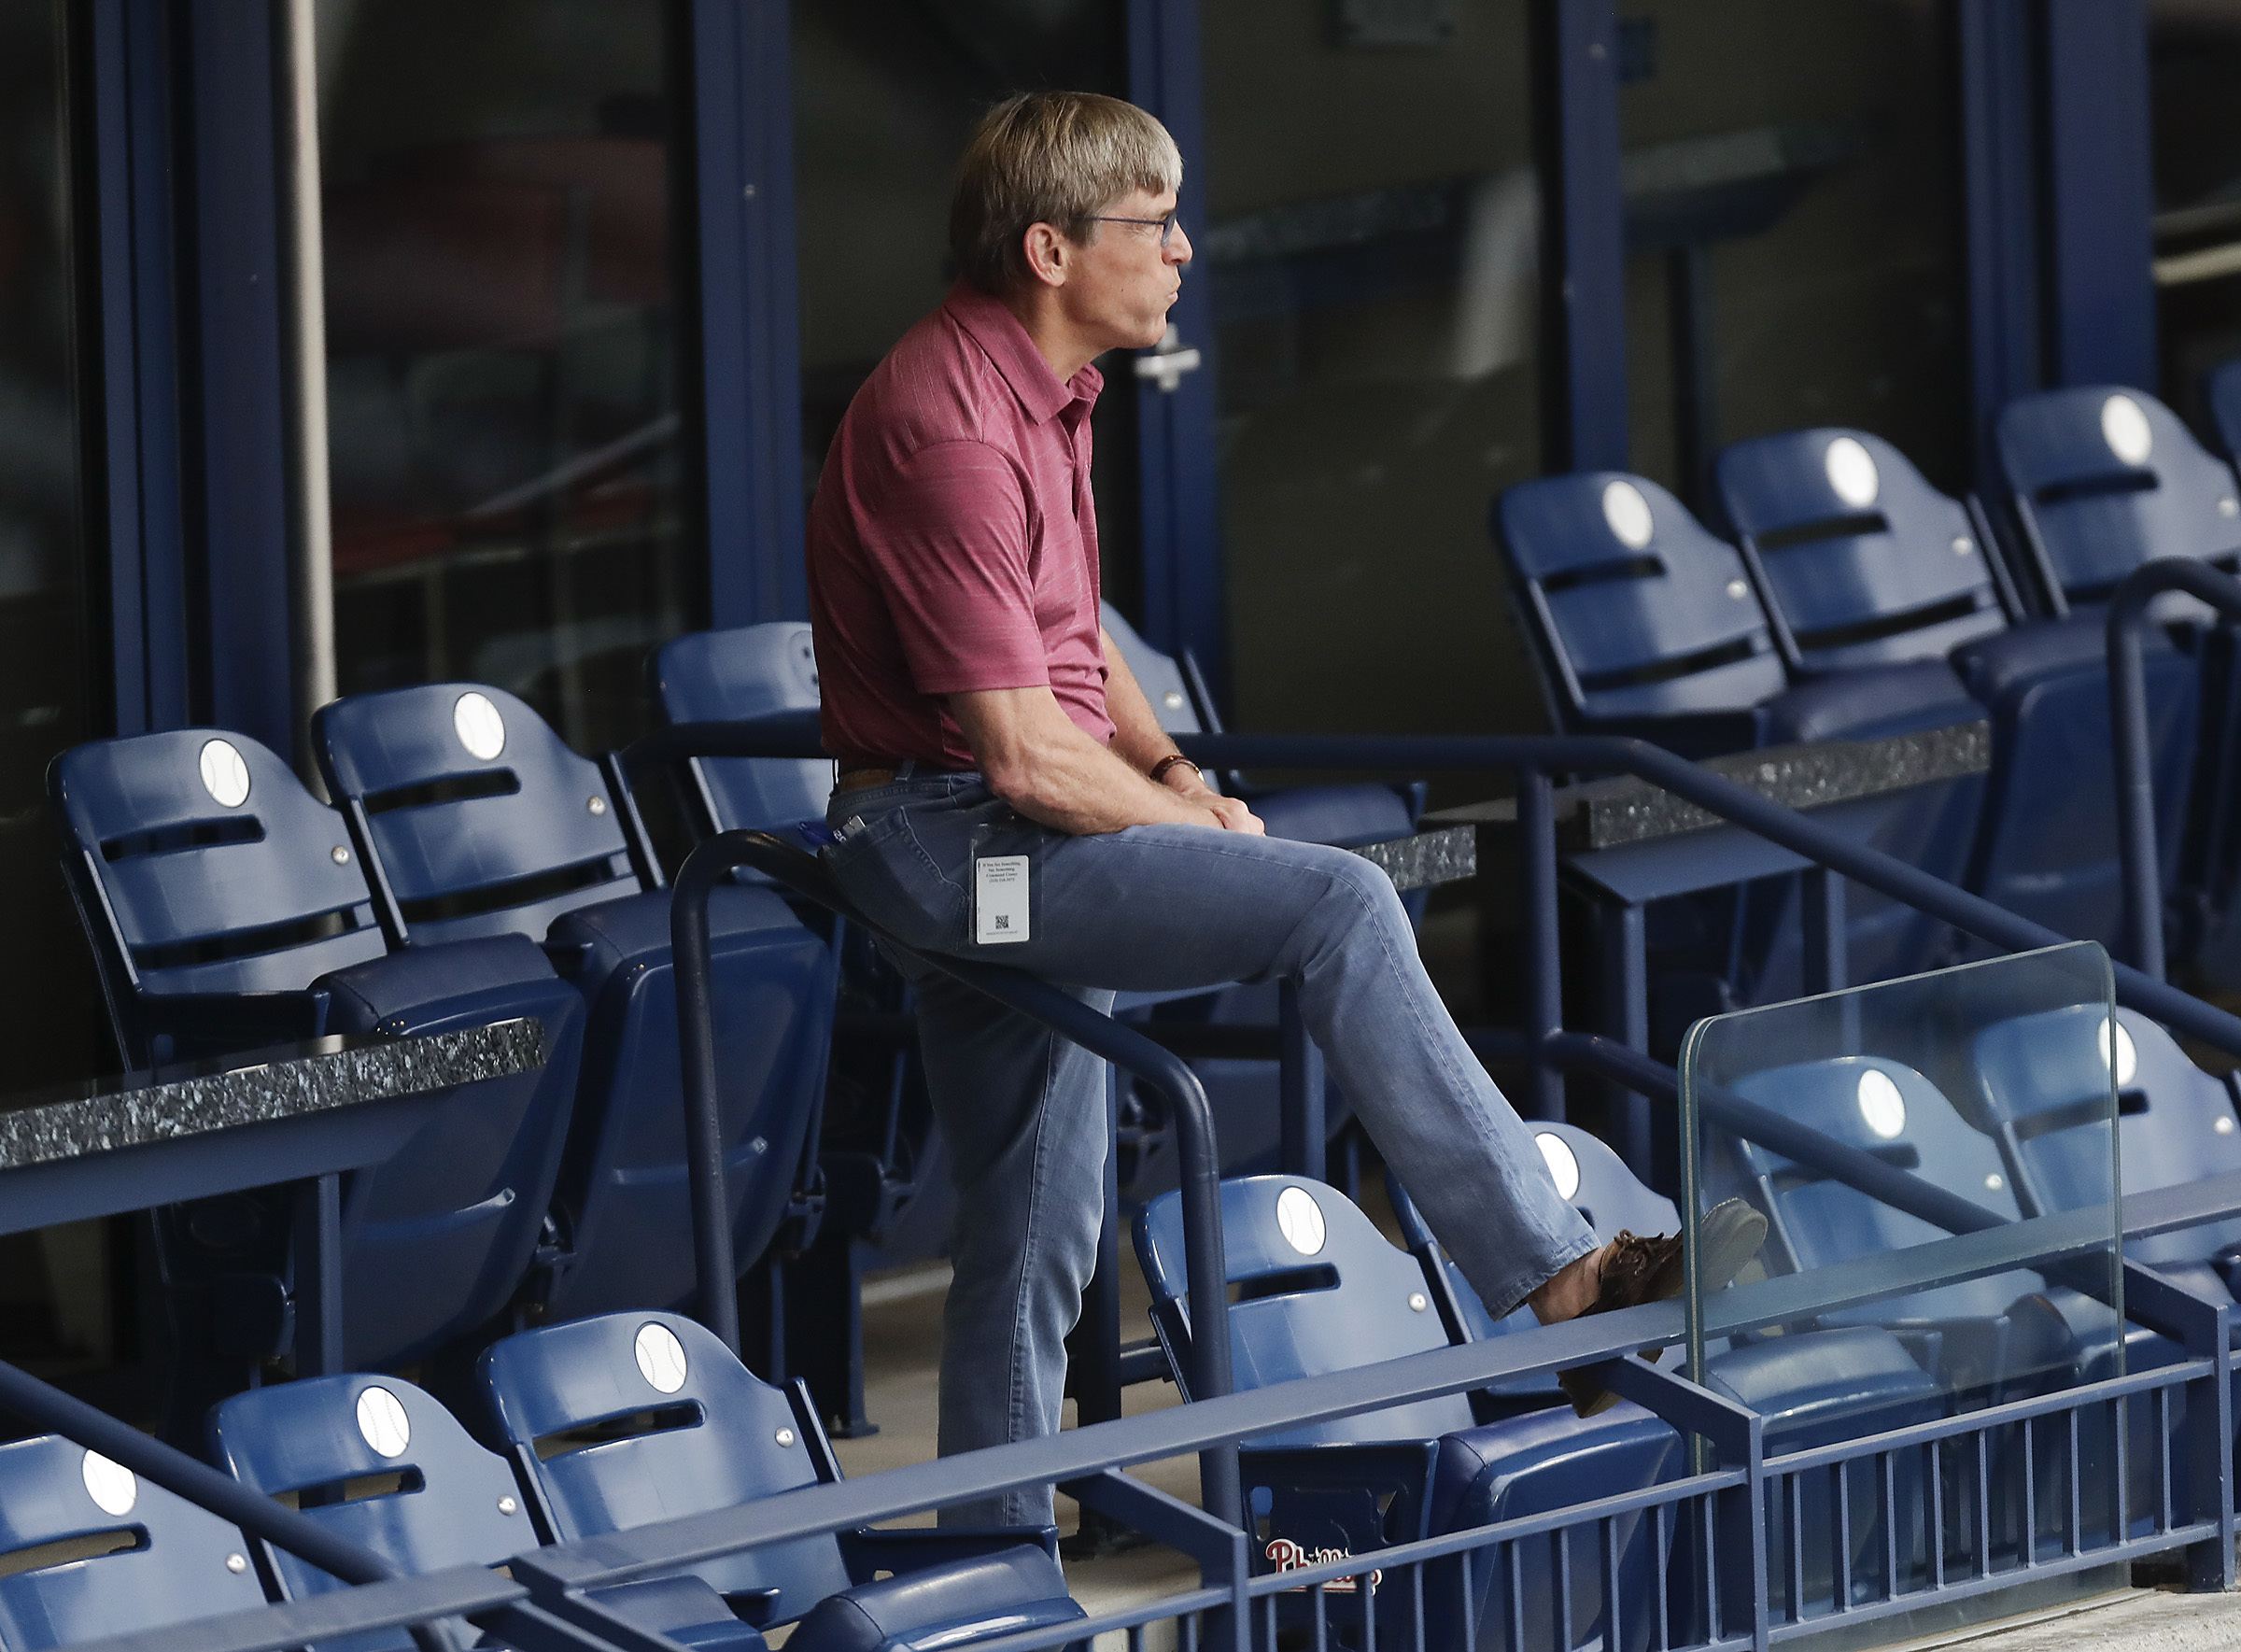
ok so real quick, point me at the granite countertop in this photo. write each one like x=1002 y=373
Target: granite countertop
x=1605 y=813
x=133 y=1109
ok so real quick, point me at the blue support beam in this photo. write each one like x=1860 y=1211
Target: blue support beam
x=739 y=234
x=1575 y=51
x=1186 y=603
x=1998 y=113
x=126 y=49
x=238 y=430
x=2100 y=200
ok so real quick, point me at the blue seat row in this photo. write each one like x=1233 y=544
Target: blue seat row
x=1856 y=601
x=604 y=1424
x=474 y=869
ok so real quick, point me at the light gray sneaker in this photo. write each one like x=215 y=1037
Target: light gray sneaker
x=1636 y=1270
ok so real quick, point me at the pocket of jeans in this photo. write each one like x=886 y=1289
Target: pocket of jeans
x=883 y=869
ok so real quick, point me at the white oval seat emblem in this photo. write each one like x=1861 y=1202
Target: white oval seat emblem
x=225 y=775
x=2124 y=428
x=2128 y=1055
x=1852 y=473
x=1626 y=514
x=1563 y=1164
x=660 y=1358
x=479 y=727
x=1300 y=1219
x=1882 y=1107
x=381 y=1421
x=110 y=1485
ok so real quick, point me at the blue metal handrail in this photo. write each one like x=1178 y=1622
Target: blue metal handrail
x=1127 y=1049
x=2128 y=622
x=1534 y=759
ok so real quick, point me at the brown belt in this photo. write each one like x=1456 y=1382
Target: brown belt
x=858 y=780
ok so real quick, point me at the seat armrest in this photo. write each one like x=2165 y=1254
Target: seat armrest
x=202 y=1024
x=870 y=1549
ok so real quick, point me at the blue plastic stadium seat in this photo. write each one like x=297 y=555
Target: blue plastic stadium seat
x=2041 y=1081
x=743 y=675
x=2047 y=849
x=380 y=1463
x=1860 y=560
x=2099 y=478
x=89 y=1550
x=709 y=1435
x=2001 y=1331
x=481 y=822
x=226 y=909
x=1322 y=1291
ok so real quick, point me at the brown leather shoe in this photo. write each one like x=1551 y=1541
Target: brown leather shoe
x=1636 y=1270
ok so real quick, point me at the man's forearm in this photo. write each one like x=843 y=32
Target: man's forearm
x=1039 y=761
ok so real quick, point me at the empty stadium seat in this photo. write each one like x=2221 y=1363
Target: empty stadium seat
x=2099 y=478
x=479 y=822
x=627 y=1419
x=1999 y=1331
x=1860 y=561
x=226 y=909
x=88 y=1549
x=742 y=675
x=378 y=1461
x=2043 y=1082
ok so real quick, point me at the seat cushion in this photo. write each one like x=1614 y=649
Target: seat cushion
x=398 y=987
x=1872 y=703
x=1346 y=815
x=610 y=934
x=1832 y=1385
x=1019 y=1589
x=1545 y=1459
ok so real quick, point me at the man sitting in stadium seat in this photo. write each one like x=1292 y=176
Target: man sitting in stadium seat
x=1006 y=794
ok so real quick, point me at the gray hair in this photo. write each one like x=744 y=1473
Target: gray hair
x=1056 y=158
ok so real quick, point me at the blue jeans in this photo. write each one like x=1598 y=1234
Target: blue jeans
x=1157 y=908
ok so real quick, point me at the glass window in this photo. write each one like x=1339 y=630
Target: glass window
x=1793 y=177
x=1368 y=217
x=2194 y=64
x=504 y=422
x=46 y=998
x=884 y=94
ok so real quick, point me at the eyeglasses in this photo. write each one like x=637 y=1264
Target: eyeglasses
x=1164 y=225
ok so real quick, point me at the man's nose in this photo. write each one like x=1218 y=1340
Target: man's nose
x=1178 y=246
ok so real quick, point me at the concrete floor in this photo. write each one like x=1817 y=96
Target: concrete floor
x=902 y=1338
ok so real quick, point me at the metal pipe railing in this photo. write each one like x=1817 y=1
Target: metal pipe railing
x=1166 y=1072
x=1716 y=795
x=2132 y=750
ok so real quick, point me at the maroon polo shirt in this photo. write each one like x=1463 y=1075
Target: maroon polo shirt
x=952 y=543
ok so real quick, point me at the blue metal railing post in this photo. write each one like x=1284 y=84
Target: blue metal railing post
x=1207 y=1290
x=2128 y=731
x=1544 y=966
x=715 y=1269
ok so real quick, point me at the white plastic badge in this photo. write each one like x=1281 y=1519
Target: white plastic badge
x=1000 y=899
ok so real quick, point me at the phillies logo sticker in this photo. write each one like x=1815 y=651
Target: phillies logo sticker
x=1288 y=1555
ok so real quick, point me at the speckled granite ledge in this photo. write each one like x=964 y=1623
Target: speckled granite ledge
x=69 y=1122
x=1428 y=860
x=1605 y=813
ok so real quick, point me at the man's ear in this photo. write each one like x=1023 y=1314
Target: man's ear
x=1049 y=254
